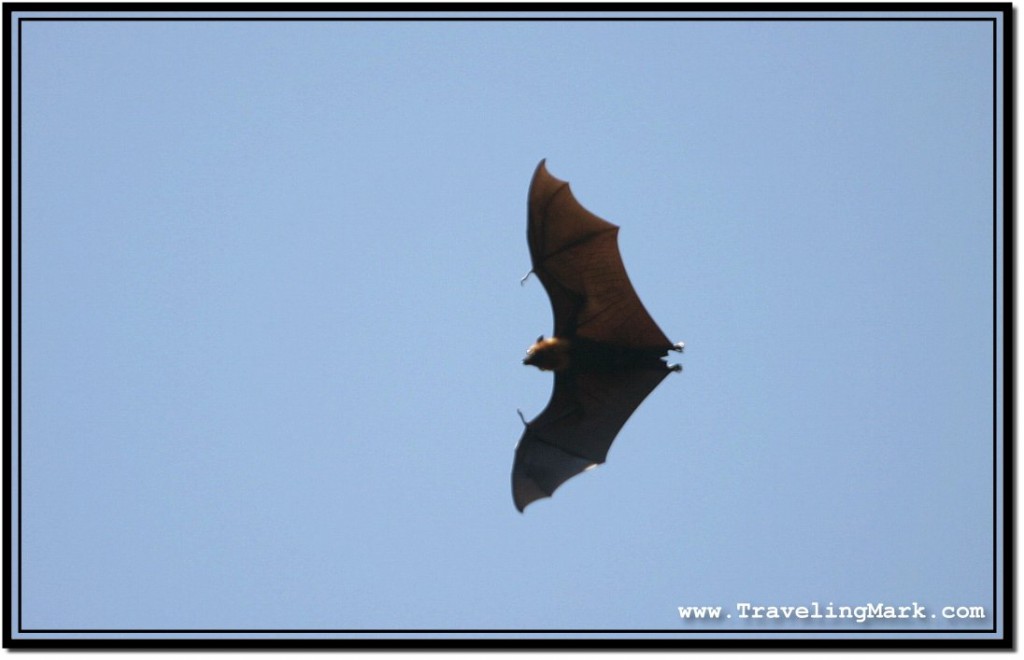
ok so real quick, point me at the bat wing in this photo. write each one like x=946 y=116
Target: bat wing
x=575 y=255
x=576 y=429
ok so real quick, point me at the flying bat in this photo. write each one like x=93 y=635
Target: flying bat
x=606 y=353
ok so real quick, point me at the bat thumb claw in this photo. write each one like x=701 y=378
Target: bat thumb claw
x=522 y=282
x=521 y=416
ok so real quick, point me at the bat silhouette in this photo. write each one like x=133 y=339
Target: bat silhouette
x=606 y=352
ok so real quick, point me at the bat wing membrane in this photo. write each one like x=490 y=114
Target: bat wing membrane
x=576 y=429
x=575 y=255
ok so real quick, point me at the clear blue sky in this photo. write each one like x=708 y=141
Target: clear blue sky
x=272 y=321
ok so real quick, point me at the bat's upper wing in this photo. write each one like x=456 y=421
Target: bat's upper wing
x=576 y=429
x=576 y=256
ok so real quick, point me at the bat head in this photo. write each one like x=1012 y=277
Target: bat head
x=548 y=354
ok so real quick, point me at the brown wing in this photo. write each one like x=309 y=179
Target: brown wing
x=576 y=429
x=576 y=256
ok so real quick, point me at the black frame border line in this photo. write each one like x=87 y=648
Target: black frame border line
x=535 y=638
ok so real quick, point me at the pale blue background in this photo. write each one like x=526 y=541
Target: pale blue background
x=272 y=321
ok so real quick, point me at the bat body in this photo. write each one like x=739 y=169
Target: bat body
x=606 y=352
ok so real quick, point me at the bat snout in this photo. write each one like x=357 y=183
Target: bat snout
x=548 y=354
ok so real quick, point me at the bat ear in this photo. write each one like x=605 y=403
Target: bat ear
x=540 y=339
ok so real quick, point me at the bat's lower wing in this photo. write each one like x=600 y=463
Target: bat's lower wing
x=576 y=429
x=575 y=255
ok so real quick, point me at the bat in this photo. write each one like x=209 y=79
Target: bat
x=606 y=353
